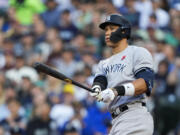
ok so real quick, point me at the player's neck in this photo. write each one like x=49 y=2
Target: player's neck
x=121 y=45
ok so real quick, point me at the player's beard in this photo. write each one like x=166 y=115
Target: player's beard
x=111 y=44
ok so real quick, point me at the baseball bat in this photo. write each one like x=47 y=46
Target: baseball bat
x=54 y=73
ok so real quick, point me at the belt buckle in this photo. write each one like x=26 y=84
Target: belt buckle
x=118 y=110
x=123 y=108
x=114 y=115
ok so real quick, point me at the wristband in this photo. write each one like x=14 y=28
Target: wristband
x=120 y=90
x=129 y=89
x=125 y=89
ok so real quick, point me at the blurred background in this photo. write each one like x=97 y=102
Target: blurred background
x=65 y=35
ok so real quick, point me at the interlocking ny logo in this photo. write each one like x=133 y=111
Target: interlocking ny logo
x=108 y=18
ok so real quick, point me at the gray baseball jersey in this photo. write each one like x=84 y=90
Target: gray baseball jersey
x=121 y=68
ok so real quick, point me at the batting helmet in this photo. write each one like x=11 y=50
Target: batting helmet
x=124 y=30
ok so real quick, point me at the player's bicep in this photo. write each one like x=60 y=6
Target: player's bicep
x=148 y=75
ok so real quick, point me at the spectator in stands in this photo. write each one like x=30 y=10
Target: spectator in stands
x=27 y=44
x=67 y=64
x=2 y=131
x=13 y=73
x=128 y=10
x=54 y=90
x=63 y=112
x=39 y=30
x=79 y=93
x=24 y=92
x=67 y=30
x=40 y=124
x=14 y=123
x=56 y=51
x=160 y=13
x=51 y=15
x=52 y=34
x=25 y=9
x=140 y=5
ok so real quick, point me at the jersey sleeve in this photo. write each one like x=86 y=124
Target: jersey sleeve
x=142 y=59
x=100 y=71
x=100 y=77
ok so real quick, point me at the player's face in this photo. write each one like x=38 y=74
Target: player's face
x=108 y=30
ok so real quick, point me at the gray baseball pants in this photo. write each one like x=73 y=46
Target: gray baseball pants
x=134 y=121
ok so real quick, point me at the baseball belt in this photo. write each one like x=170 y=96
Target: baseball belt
x=121 y=109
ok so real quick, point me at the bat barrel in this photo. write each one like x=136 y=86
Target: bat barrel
x=54 y=73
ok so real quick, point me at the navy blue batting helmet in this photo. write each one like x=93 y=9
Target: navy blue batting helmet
x=119 y=20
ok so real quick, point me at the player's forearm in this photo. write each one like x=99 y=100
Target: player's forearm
x=134 y=88
x=140 y=86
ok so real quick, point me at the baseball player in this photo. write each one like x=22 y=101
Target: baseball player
x=125 y=80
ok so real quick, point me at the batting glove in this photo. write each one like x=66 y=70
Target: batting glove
x=106 y=96
x=97 y=90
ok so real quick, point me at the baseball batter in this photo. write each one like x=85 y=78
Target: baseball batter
x=125 y=80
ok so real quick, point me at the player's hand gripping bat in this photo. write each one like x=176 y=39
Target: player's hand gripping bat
x=54 y=73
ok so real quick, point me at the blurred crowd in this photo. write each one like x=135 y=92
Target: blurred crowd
x=64 y=34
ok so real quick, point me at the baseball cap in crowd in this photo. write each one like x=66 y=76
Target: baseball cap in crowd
x=51 y=4
x=29 y=72
x=68 y=88
x=69 y=128
x=27 y=33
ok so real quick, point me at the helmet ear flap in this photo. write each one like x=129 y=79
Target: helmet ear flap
x=119 y=34
x=128 y=33
x=116 y=36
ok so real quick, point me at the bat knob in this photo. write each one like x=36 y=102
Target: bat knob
x=36 y=65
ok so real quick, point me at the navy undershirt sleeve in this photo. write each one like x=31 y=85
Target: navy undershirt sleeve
x=101 y=80
x=148 y=75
